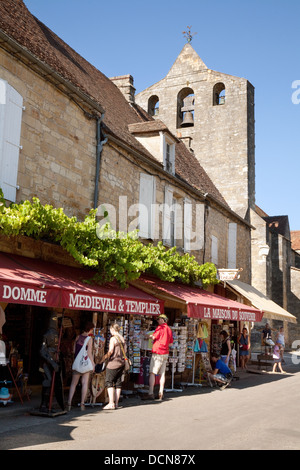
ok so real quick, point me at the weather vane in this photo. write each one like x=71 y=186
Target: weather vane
x=188 y=35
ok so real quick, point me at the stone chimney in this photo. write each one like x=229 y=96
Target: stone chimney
x=125 y=85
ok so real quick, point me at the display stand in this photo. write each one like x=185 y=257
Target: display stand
x=193 y=384
x=207 y=366
x=173 y=360
x=204 y=365
x=6 y=364
x=97 y=387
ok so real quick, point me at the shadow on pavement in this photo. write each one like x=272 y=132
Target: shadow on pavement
x=19 y=429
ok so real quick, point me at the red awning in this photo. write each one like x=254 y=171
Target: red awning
x=200 y=303
x=36 y=282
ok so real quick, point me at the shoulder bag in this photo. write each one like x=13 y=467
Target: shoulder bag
x=99 y=368
x=82 y=362
x=127 y=360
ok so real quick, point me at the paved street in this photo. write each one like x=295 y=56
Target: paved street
x=257 y=412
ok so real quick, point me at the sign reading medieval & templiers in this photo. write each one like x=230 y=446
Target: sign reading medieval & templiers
x=110 y=304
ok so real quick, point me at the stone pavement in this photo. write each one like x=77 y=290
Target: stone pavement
x=245 y=378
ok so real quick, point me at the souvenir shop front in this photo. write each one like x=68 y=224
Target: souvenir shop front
x=197 y=318
x=31 y=290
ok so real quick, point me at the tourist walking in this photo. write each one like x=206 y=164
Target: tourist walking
x=162 y=338
x=244 y=342
x=79 y=342
x=280 y=340
x=277 y=358
x=226 y=347
x=115 y=367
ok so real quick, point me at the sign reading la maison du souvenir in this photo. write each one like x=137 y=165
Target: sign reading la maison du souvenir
x=223 y=313
x=230 y=314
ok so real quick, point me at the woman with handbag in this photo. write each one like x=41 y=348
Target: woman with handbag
x=244 y=342
x=226 y=347
x=83 y=364
x=115 y=367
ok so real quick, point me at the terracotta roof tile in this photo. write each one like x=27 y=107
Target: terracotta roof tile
x=189 y=169
x=147 y=126
x=17 y=22
x=295 y=238
x=260 y=211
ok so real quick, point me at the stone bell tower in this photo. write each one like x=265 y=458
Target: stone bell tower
x=213 y=114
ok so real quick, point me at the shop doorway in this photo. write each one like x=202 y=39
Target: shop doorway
x=23 y=335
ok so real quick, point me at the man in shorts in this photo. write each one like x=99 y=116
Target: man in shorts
x=162 y=338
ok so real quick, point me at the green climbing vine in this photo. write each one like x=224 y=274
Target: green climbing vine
x=114 y=255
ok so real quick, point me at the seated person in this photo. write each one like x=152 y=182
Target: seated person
x=267 y=337
x=221 y=373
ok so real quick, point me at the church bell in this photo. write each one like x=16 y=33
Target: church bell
x=188 y=119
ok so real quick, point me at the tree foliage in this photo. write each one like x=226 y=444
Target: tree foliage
x=113 y=255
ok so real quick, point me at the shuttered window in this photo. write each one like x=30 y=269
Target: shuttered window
x=214 y=250
x=187 y=228
x=147 y=206
x=168 y=227
x=11 y=106
x=168 y=155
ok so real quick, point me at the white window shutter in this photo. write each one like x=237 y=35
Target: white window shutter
x=10 y=131
x=172 y=158
x=147 y=201
x=232 y=233
x=187 y=224
x=171 y=166
x=167 y=215
x=214 y=250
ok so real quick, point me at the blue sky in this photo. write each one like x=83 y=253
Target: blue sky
x=258 y=40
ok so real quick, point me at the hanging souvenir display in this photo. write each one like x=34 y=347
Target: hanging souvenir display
x=189 y=358
x=182 y=347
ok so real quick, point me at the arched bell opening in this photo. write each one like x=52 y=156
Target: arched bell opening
x=219 y=94
x=153 y=105
x=185 y=108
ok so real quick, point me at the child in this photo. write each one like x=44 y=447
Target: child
x=277 y=357
x=280 y=340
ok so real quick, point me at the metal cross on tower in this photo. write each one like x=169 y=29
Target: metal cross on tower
x=188 y=35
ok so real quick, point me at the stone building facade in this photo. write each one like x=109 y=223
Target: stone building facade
x=275 y=266
x=213 y=113
x=85 y=143
x=77 y=140
x=56 y=160
x=295 y=274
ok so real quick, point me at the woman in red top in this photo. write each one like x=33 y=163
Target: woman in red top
x=162 y=338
